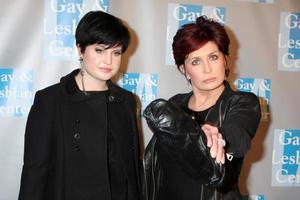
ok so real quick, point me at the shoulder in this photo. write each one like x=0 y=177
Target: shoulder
x=48 y=92
x=127 y=96
x=122 y=92
x=246 y=97
x=242 y=102
x=180 y=98
x=44 y=101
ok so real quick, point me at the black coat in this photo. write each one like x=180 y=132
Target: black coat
x=236 y=114
x=65 y=157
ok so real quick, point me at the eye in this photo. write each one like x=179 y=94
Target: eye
x=196 y=62
x=99 y=50
x=117 y=53
x=214 y=57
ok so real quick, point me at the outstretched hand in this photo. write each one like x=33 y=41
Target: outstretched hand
x=215 y=142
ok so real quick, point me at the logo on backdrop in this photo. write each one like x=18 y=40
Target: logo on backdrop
x=260 y=87
x=15 y=92
x=141 y=84
x=253 y=197
x=60 y=22
x=289 y=42
x=286 y=158
x=180 y=14
x=259 y=1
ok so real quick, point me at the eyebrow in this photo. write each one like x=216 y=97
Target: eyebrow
x=217 y=51
x=197 y=57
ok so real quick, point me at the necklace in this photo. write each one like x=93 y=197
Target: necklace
x=82 y=82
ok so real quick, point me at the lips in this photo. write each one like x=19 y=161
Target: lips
x=105 y=69
x=209 y=80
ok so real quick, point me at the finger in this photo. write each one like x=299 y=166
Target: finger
x=208 y=135
x=223 y=158
x=214 y=129
x=220 y=158
x=214 y=148
x=221 y=152
x=212 y=140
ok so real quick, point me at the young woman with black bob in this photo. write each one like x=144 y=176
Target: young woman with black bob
x=81 y=139
x=200 y=138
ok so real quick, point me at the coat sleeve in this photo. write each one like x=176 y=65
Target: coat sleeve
x=241 y=119
x=37 y=149
x=239 y=126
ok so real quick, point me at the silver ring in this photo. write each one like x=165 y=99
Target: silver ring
x=222 y=142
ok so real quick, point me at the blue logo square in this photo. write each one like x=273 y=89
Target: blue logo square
x=142 y=84
x=289 y=42
x=261 y=88
x=16 y=93
x=286 y=158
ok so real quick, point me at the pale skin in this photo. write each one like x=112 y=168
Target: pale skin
x=99 y=65
x=205 y=68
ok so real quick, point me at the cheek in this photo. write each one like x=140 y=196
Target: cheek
x=221 y=68
x=117 y=60
x=89 y=58
x=193 y=73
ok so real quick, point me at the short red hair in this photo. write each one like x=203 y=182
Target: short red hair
x=193 y=36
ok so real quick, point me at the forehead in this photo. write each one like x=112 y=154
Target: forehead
x=206 y=49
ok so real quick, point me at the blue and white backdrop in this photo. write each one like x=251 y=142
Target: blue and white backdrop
x=37 y=48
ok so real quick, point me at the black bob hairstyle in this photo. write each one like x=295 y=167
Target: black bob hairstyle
x=97 y=27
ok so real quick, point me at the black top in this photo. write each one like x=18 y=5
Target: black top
x=117 y=177
x=176 y=184
x=200 y=116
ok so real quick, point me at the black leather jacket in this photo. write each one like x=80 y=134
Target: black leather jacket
x=237 y=115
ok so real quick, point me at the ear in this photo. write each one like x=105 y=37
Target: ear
x=181 y=68
x=227 y=70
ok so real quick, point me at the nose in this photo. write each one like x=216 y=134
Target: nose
x=207 y=67
x=107 y=58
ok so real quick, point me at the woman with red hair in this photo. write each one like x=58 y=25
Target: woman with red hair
x=200 y=138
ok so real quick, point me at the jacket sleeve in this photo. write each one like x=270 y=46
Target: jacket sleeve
x=240 y=121
x=36 y=150
x=239 y=126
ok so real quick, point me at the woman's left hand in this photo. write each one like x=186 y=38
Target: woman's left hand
x=215 y=142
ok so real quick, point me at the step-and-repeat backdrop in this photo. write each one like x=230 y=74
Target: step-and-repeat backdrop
x=37 y=48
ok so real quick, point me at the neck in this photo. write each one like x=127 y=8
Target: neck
x=201 y=100
x=85 y=84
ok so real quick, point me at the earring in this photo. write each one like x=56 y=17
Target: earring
x=82 y=74
x=81 y=66
x=188 y=79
